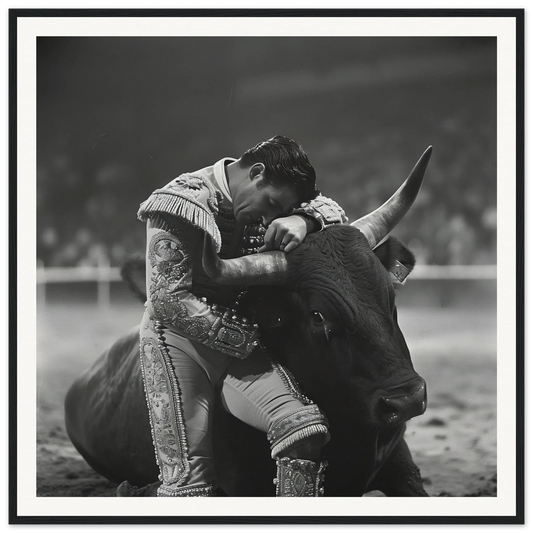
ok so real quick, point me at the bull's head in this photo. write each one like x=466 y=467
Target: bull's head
x=333 y=319
x=270 y=268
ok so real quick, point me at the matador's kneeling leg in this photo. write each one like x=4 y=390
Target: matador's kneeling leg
x=296 y=441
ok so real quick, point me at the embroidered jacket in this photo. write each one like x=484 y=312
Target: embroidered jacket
x=180 y=296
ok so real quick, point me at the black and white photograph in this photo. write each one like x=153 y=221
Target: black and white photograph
x=270 y=255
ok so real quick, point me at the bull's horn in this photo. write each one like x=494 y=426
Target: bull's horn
x=377 y=225
x=268 y=268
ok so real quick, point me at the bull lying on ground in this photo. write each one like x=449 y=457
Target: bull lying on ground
x=331 y=321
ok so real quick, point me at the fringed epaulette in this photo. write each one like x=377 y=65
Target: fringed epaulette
x=189 y=198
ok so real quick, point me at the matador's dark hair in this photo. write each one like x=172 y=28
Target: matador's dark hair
x=286 y=164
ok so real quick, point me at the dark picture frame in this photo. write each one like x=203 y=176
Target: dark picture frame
x=27 y=25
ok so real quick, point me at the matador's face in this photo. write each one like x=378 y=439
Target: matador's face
x=258 y=201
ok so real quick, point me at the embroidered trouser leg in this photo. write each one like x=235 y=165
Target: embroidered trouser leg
x=179 y=380
x=265 y=396
x=180 y=396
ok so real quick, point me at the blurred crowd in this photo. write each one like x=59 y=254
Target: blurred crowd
x=118 y=118
x=91 y=219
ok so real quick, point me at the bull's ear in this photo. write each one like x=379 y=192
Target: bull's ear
x=396 y=258
x=133 y=272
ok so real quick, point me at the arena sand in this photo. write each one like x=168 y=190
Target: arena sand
x=453 y=443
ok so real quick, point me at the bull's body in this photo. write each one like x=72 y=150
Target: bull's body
x=350 y=358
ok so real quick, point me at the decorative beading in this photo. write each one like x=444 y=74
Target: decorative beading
x=295 y=427
x=220 y=328
x=290 y=383
x=190 y=198
x=236 y=335
x=198 y=489
x=299 y=478
x=170 y=262
x=166 y=247
x=324 y=210
x=163 y=397
x=253 y=239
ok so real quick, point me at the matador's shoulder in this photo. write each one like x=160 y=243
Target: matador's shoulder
x=190 y=198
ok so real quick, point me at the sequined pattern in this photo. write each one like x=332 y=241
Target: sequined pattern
x=199 y=489
x=290 y=382
x=324 y=210
x=297 y=426
x=253 y=239
x=166 y=247
x=299 y=478
x=237 y=335
x=170 y=262
x=220 y=328
x=188 y=198
x=192 y=183
x=164 y=405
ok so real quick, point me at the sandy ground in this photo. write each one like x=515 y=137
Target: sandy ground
x=454 y=442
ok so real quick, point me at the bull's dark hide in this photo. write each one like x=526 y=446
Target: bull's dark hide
x=334 y=327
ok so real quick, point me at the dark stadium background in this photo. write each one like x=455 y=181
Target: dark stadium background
x=119 y=117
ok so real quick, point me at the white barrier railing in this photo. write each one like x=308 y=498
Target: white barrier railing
x=458 y=272
x=103 y=275
x=77 y=274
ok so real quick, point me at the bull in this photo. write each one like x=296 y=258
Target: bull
x=327 y=314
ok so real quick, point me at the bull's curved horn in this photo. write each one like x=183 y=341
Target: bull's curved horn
x=268 y=268
x=377 y=225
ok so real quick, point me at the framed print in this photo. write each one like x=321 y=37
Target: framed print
x=312 y=326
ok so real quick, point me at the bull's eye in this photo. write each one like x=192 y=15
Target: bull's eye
x=317 y=318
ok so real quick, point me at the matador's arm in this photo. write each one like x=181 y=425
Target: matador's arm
x=170 y=300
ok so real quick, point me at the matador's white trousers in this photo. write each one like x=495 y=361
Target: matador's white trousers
x=180 y=378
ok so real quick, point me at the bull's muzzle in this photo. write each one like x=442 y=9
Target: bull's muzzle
x=403 y=403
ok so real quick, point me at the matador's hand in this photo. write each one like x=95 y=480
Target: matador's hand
x=286 y=233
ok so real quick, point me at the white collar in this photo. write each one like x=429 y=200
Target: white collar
x=221 y=178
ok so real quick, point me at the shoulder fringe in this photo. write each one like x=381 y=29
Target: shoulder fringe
x=183 y=207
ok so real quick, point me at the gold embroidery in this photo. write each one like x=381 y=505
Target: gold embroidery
x=324 y=210
x=299 y=478
x=236 y=336
x=198 y=489
x=189 y=198
x=166 y=247
x=164 y=405
x=170 y=262
x=297 y=426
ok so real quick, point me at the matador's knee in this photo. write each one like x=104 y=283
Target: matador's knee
x=296 y=441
